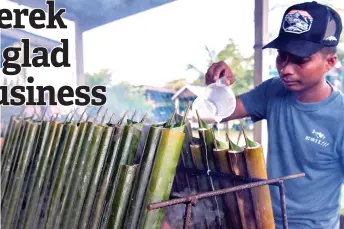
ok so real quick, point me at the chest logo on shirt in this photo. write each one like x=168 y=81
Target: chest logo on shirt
x=317 y=137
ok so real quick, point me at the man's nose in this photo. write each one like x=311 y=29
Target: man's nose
x=287 y=68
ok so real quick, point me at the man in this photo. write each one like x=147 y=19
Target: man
x=305 y=116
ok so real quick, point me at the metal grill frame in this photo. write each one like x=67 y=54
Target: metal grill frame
x=192 y=200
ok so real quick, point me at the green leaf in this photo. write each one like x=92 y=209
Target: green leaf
x=168 y=124
x=249 y=142
x=234 y=147
x=201 y=123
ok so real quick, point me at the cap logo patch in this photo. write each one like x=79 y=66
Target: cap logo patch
x=297 y=21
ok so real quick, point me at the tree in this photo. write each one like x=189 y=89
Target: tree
x=121 y=97
x=212 y=58
x=103 y=77
x=241 y=67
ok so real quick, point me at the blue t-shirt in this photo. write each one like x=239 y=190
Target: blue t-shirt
x=303 y=138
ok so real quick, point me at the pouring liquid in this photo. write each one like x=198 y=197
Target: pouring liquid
x=217 y=121
x=213 y=110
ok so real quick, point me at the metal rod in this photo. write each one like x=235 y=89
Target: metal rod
x=219 y=174
x=187 y=218
x=220 y=192
x=283 y=205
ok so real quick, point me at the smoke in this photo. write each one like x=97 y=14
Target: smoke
x=204 y=213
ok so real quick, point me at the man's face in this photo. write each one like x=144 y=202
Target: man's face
x=302 y=73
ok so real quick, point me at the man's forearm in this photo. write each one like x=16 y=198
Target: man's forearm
x=239 y=111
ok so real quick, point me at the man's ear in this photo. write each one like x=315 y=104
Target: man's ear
x=331 y=61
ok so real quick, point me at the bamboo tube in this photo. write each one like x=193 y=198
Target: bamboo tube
x=163 y=173
x=33 y=173
x=203 y=186
x=18 y=127
x=125 y=156
x=141 y=181
x=106 y=181
x=9 y=171
x=19 y=175
x=123 y=191
x=48 y=170
x=207 y=138
x=256 y=168
x=96 y=175
x=236 y=159
x=232 y=212
x=71 y=192
x=86 y=174
x=61 y=177
x=12 y=169
x=8 y=141
x=186 y=156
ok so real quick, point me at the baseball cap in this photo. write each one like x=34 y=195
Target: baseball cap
x=306 y=28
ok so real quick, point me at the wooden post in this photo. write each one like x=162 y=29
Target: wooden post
x=261 y=70
x=79 y=55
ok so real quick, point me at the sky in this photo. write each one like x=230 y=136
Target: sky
x=155 y=46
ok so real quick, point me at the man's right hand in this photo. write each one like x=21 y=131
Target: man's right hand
x=218 y=70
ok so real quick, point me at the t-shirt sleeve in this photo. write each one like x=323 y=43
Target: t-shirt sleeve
x=255 y=101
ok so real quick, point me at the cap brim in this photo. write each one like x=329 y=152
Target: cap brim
x=301 y=48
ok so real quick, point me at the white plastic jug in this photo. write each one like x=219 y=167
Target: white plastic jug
x=217 y=102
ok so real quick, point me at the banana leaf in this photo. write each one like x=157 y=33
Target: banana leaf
x=232 y=212
x=141 y=181
x=72 y=189
x=126 y=174
x=163 y=173
x=256 y=168
x=18 y=128
x=96 y=175
x=125 y=156
x=61 y=177
x=39 y=197
x=29 y=183
x=87 y=169
x=237 y=163
x=106 y=181
x=19 y=175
